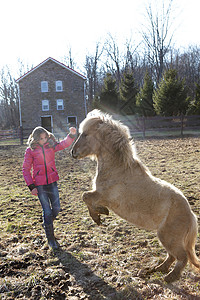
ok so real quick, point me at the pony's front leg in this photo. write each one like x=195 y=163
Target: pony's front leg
x=93 y=202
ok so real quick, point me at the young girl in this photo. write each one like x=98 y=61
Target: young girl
x=42 y=181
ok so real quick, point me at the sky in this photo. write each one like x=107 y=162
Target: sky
x=33 y=30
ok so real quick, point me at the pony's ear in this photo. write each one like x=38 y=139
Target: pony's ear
x=98 y=124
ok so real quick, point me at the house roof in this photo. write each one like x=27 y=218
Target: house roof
x=57 y=62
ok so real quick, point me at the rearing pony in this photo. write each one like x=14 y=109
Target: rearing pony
x=124 y=185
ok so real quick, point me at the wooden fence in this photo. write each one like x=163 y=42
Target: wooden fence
x=9 y=134
x=19 y=136
x=139 y=126
x=161 y=126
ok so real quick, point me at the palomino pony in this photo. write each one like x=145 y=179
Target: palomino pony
x=124 y=185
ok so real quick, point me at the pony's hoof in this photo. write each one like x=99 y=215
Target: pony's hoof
x=97 y=220
x=103 y=210
x=171 y=277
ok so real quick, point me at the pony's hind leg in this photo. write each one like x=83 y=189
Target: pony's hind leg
x=164 y=266
x=173 y=243
x=180 y=265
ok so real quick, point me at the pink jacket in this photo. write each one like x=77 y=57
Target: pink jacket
x=42 y=160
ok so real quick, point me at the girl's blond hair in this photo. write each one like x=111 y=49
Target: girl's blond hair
x=34 y=137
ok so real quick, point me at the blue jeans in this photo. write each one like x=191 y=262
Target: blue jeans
x=49 y=199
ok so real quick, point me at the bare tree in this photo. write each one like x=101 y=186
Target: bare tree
x=114 y=58
x=92 y=71
x=9 y=100
x=158 y=36
x=69 y=60
x=131 y=55
x=136 y=62
x=23 y=67
x=187 y=63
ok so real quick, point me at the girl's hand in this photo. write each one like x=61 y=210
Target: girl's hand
x=34 y=192
x=72 y=130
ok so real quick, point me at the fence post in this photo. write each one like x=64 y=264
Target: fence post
x=144 y=129
x=182 y=120
x=21 y=135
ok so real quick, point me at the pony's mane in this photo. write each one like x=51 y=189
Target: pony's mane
x=115 y=136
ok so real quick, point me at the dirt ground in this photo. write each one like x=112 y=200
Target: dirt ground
x=93 y=262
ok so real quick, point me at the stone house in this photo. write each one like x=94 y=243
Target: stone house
x=51 y=95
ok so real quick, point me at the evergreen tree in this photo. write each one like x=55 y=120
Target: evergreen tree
x=144 y=99
x=197 y=99
x=194 y=107
x=108 y=99
x=170 y=98
x=128 y=91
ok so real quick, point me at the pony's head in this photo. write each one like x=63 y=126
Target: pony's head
x=100 y=134
x=88 y=142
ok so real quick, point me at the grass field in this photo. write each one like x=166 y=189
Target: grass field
x=93 y=262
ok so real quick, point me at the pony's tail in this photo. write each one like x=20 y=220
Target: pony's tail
x=190 y=244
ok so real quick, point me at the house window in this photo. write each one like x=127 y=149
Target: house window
x=72 y=121
x=44 y=86
x=45 y=105
x=60 y=105
x=59 y=86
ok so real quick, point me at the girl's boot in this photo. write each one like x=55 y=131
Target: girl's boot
x=50 y=236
